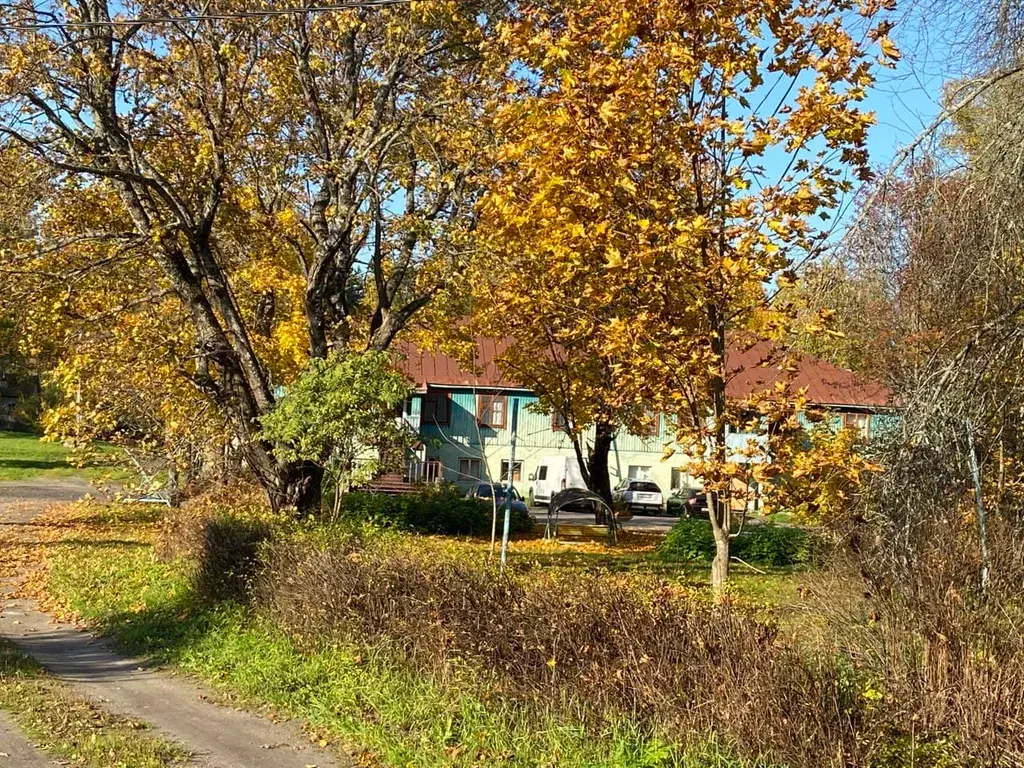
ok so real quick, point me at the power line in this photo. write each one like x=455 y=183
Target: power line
x=237 y=15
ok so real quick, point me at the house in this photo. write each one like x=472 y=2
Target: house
x=463 y=416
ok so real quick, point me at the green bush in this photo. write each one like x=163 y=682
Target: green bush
x=441 y=511
x=775 y=545
x=767 y=544
x=689 y=539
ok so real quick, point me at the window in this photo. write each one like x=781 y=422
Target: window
x=436 y=408
x=517 y=471
x=860 y=422
x=542 y=473
x=677 y=479
x=655 y=426
x=637 y=472
x=557 y=421
x=644 y=486
x=470 y=469
x=491 y=411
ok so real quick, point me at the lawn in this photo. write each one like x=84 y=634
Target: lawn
x=360 y=696
x=25 y=456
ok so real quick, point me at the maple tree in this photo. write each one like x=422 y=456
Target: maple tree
x=823 y=474
x=229 y=196
x=658 y=166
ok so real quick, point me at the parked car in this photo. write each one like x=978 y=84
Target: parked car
x=638 y=497
x=580 y=500
x=687 y=502
x=484 y=492
x=554 y=474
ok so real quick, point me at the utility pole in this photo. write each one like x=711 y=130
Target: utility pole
x=508 y=486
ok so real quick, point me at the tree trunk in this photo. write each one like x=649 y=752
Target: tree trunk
x=294 y=485
x=301 y=487
x=980 y=519
x=597 y=462
x=720 y=515
x=720 y=565
x=719 y=501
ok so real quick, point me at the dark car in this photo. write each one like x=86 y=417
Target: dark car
x=687 y=502
x=484 y=492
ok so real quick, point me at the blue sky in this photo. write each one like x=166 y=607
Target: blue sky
x=936 y=41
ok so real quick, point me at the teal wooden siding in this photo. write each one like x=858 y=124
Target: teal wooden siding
x=461 y=438
x=536 y=439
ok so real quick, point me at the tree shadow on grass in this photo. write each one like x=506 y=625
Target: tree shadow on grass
x=164 y=633
x=42 y=464
x=225 y=564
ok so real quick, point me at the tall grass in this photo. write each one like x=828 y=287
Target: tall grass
x=363 y=696
x=423 y=654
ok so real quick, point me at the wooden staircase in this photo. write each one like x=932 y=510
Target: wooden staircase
x=416 y=475
x=391 y=484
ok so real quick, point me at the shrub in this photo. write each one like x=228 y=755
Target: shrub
x=220 y=544
x=766 y=544
x=605 y=646
x=433 y=511
x=689 y=539
x=230 y=557
x=775 y=545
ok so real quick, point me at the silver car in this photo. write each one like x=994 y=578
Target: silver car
x=638 y=497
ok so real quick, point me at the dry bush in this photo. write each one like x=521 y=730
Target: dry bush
x=605 y=646
x=951 y=655
x=181 y=534
x=944 y=658
x=219 y=535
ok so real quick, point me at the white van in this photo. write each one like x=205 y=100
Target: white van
x=554 y=473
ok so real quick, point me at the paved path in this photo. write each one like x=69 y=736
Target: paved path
x=44 y=491
x=18 y=752
x=639 y=523
x=218 y=737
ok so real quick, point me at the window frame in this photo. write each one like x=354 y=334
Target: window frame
x=436 y=396
x=656 y=420
x=647 y=467
x=855 y=416
x=484 y=405
x=676 y=479
x=558 y=422
x=503 y=468
x=470 y=461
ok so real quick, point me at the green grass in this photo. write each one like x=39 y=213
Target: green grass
x=361 y=697
x=25 y=457
x=775 y=586
x=72 y=729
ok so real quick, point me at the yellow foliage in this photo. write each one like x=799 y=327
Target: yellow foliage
x=824 y=470
x=630 y=223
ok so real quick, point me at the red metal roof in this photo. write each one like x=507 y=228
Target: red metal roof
x=752 y=368
x=437 y=369
x=755 y=368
